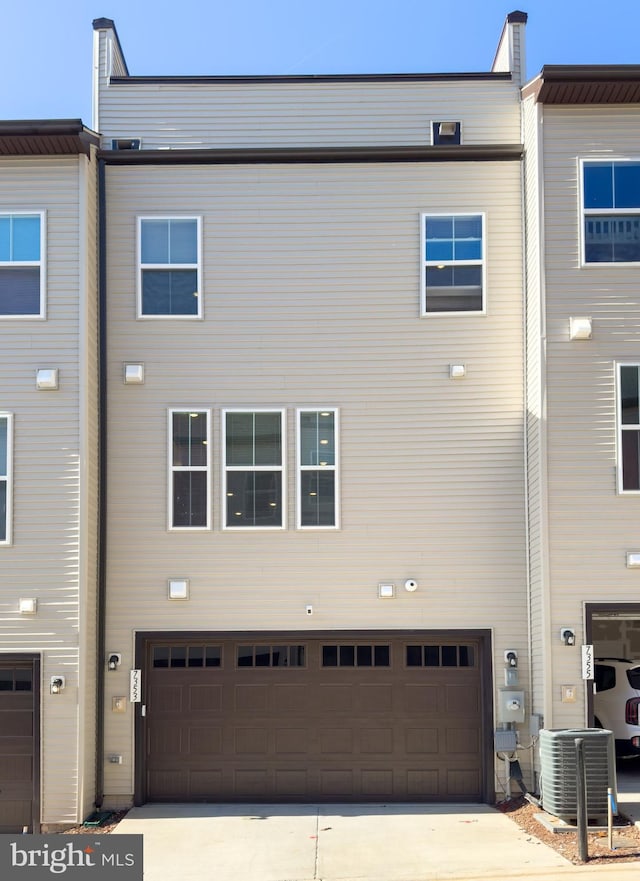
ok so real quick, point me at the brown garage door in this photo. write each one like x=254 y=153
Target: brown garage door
x=314 y=720
x=17 y=745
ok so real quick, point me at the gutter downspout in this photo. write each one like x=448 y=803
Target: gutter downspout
x=102 y=482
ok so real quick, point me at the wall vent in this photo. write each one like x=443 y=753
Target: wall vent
x=125 y=143
x=445 y=132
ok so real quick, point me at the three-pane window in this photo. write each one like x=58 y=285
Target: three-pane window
x=169 y=267
x=317 y=468
x=628 y=428
x=452 y=263
x=5 y=477
x=253 y=469
x=189 y=466
x=21 y=265
x=611 y=197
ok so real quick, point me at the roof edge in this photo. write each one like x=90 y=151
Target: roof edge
x=309 y=78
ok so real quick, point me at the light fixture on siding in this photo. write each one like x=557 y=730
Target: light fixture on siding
x=457 y=371
x=178 y=588
x=134 y=374
x=580 y=328
x=386 y=591
x=57 y=684
x=47 y=378
x=114 y=660
x=633 y=559
x=28 y=605
x=568 y=635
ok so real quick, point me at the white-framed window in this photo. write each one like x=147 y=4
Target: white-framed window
x=317 y=461
x=628 y=413
x=452 y=264
x=169 y=267
x=6 y=476
x=611 y=211
x=253 y=469
x=22 y=264
x=189 y=465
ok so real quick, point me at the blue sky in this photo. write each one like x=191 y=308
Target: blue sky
x=45 y=47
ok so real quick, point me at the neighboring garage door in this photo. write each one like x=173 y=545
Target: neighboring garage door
x=18 y=745
x=314 y=720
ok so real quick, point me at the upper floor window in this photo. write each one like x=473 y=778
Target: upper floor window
x=22 y=264
x=189 y=469
x=169 y=273
x=628 y=428
x=254 y=468
x=452 y=264
x=611 y=198
x=5 y=477
x=317 y=468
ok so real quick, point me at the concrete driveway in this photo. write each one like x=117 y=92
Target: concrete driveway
x=334 y=843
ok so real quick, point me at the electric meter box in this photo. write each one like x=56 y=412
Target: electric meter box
x=510 y=705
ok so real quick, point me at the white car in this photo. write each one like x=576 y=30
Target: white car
x=616 y=703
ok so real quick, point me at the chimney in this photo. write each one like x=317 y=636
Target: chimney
x=510 y=54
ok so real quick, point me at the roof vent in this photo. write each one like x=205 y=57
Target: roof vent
x=445 y=132
x=125 y=143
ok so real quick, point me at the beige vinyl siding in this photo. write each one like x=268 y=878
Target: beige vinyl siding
x=313 y=114
x=590 y=526
x=311 y=299
x=44 y=560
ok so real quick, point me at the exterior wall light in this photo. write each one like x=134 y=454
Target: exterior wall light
x=134 y=374
x=47 y=379
x=28 y=605
x=386 y=591
x=57 y=684
x=114 y=660
x=568 y=635
x=580 y=328
x=457 y=371
x=633 y=560
x=178 y=588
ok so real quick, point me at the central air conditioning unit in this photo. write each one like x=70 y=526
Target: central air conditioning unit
x=558 y=771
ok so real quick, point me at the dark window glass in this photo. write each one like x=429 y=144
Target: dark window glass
x=161 y=656
x=280 y=656
x=189 y=498
x=213 y=655
x=23 y=680
x=19 y=290
x=189 y=439
x=449 y=656
x=296 y=656
x=630 y=460
x=612 y=239
x=629 y=395
x=169 y=292
x=196 y=656
x=605 y=677
x=329 y=655
x=178 y=656
x=633 y=675
x=3 y=510
x=466 y=656
x=364 y=656
x=245 y=656
x=626 y=184
x=317 y=498
x=262 y=656
x=381 y=655
x=432 y=655
x=347 y=656
x=6 y=680
x=414 y=656
x=254 y=498
x=598 y=185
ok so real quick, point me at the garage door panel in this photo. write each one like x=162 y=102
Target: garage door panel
x=17 y=723
x=344 y=722
x=19 y=747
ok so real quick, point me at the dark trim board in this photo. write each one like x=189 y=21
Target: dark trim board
x=144 y=639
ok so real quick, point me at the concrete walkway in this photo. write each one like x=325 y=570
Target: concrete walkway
x=338 y=843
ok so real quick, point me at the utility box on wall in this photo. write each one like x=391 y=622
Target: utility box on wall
x=510 y=705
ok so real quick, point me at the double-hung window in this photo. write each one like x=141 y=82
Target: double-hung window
x=254 y=492
x=5 y=477
x=189 y=469
x=317 y=468
x=611 y=202
x=452 y=264
x=628 y=428
x=22 y=265
x=169 y=271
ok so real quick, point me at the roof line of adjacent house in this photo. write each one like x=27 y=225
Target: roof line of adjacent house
x=279 y=155
x=312 y=78
x=586 y=84
x=99 y=23
x=45 y=137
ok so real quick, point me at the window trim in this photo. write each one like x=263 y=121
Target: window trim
x=143 y=316
x=612 y=212
x=172 y=469
x=619 y=428
x=8 y=540
x=424 y=263
x=300 y=468
x=282 y=468
x=41 y=263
